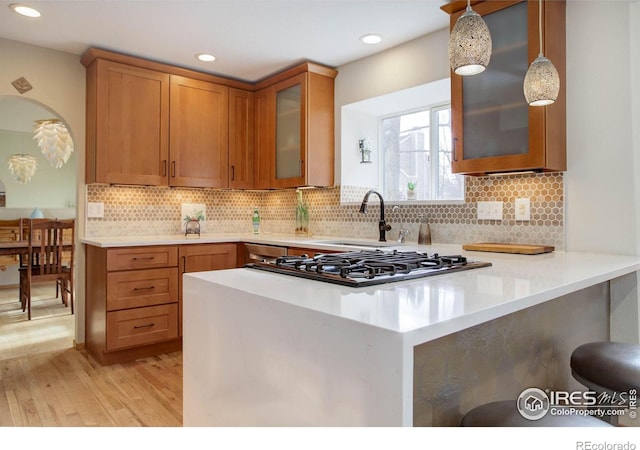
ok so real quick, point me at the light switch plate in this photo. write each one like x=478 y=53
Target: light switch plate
x=489 y=210
x=95 y=210
x=523 y=209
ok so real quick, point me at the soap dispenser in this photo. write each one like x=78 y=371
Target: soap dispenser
x=255 y=220
x=424 y=233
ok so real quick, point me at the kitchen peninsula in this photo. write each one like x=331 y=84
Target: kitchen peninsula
x=263 y=349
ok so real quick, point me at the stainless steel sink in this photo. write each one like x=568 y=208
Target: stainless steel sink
x=361 y=244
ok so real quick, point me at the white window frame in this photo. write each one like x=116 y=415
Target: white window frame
x=432 y=153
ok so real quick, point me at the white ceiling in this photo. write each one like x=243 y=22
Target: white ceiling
x=251 y=39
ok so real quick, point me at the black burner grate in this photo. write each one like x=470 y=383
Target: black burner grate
x=366 y=268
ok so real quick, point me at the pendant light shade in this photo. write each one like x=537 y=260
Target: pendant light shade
x=542 y=81
x=22 y=167
x=469 y=44
x=54 y=141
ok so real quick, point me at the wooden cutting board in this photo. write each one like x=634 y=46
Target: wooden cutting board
x=523 y=249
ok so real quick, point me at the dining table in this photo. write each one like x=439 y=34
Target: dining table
x=14 y=247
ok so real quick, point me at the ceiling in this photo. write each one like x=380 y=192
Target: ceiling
x=251 y=39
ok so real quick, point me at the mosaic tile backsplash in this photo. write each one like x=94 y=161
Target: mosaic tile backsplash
x=157 y=211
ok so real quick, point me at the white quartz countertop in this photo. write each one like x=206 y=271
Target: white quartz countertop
x=330 y=355
x=427 y=308
x=421 y=309
x=286 y=240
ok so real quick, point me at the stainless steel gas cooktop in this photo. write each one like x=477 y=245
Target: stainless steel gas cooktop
x=366 y=268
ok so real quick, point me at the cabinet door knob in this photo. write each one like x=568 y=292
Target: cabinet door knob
x=164 y=167
x=233 y=173
x=173 y=169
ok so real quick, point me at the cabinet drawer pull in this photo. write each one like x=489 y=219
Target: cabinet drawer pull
x=455 y=156
x=164 y=167
x=148 y=325
x=144 y=288
x=173 y=169
x=142 y=258
x=233 y=173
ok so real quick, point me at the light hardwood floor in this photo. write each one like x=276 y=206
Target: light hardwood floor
x=45 y=382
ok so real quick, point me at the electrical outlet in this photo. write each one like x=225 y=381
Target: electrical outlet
x=489 y=210
x=95 y=210
x=523 y=209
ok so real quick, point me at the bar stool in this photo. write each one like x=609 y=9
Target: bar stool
x=607 y=368
x=505 y=414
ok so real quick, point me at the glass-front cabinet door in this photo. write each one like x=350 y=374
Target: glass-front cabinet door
x=494 y=129
x=290 y=126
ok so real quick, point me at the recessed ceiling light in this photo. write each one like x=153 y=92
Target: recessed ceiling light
x=371 y=38
x=24 y=10
x=205 y=57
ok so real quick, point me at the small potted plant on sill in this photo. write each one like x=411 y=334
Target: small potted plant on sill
x=411 y=190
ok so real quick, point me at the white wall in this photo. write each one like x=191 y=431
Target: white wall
x=601 y=178
x=357 y=125
x=58 y=81
x=634 y=40
x=420 y=61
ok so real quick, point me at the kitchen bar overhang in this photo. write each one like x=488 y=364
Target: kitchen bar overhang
x=286 y=351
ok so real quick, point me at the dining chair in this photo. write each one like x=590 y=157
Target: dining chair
x=49 y=257
x=10 y=230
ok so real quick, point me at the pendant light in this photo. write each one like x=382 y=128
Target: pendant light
x=469 y=44
x=22 y=167
x=542 y=82
x=54 y=141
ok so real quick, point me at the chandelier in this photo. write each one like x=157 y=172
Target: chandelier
x=22 y=167
x=54 y=141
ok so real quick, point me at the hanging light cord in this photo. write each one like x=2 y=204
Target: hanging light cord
x=540 y=25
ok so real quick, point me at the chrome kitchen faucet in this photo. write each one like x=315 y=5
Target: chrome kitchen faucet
x=402 y=232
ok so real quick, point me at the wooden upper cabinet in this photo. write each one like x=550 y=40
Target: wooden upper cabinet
x=290 y=129
x=241 y=139
x=263 y=138
x=199 y=131
x=127 y=124
x=295 y=129
x=494 y=130
x=149 y=123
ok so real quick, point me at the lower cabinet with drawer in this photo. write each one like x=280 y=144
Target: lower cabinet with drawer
x=205 y=257
x=132 y=307
x=141 y=326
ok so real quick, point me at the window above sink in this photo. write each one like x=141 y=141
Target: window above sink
x=409 y=135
